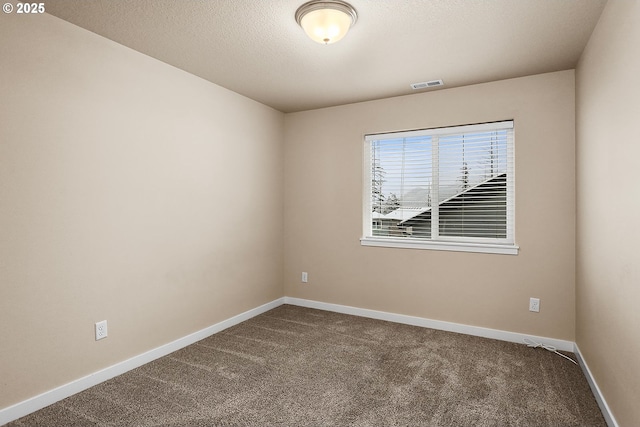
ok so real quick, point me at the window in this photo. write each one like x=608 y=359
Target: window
x=446 y=188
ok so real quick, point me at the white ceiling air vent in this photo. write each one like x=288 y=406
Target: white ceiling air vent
x=424 y=85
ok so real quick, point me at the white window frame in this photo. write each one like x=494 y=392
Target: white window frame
x=505 y=246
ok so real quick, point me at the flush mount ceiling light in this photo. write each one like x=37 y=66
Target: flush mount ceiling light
x=326 y=22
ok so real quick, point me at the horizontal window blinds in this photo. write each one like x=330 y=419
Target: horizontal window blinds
x=452 y=183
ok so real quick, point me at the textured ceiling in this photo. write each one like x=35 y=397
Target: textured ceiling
x=255 y=47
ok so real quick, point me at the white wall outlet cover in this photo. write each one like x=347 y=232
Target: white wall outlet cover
x=534 y=304
x=101 y=330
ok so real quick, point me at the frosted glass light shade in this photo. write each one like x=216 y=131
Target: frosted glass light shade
x=326 y=25
x=326 y=22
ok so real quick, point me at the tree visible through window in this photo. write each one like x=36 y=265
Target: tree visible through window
x=441 y=185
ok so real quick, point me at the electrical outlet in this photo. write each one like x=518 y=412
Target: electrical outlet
x=101 y=330
x=305 y=277
x=534 y=304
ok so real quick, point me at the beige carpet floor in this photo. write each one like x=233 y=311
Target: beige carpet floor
x=295 y=366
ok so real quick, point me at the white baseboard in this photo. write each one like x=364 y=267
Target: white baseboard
x=433 y=324
x=602 y=403
x=47 y=398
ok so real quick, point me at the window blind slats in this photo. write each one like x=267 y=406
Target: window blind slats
x=467 y=169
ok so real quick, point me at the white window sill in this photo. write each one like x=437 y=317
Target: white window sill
x=487 y=248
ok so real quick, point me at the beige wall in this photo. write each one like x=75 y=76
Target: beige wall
x=323 y=209
x=608 y=206
x=129 y=191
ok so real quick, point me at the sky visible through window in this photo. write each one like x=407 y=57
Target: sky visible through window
x=403 y=166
